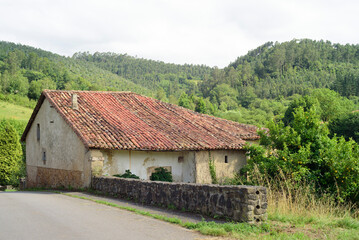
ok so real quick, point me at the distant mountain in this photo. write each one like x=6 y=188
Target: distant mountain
x=261 y=79
x=147 y=73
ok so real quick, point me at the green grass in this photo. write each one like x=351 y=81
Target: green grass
x=10 y=190
x=237 y=230
x=277 y=227
x=12 y=111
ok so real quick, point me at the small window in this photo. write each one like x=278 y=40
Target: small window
x=44 y=157
x=38 y=132
x=225 y=159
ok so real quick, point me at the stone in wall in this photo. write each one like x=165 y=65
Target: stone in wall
x=239 y=203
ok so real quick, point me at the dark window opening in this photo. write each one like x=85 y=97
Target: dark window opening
x=38 y=132
x=225 y=159
x=44 y=157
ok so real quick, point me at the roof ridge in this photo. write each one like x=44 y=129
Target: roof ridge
x=89 y=91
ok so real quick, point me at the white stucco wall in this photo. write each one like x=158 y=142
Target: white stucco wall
x=64 y=150
x=193 y=166
x=117 y=161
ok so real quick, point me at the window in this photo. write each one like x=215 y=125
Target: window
x=38 y=132
x=44 y=157
x=225 y=159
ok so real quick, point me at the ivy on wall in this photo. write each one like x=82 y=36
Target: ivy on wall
x=212 y=168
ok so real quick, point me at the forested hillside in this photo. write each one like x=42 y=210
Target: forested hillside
x=25 y=71
x=253 y=89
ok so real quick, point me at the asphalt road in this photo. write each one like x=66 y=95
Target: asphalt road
x=51 y=216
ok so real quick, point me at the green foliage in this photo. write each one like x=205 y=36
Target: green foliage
x=245 y=91
x=10 y=154
x=327 y=103
x=346 y=125
x=18 y=100
x=304 y=152
x=36 y=87
x=212 y=168
x=185 y=101
x=161 y=174
x=127 y=174
x=201 y=106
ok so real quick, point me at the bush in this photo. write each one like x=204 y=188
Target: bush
x=127 y=174
x=161 y=174
x=304 y=152
x=10 y=154
x=346 y=125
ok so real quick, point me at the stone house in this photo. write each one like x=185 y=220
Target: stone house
x=73 y=135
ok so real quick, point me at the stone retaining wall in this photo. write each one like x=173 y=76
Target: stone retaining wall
x=239 y=203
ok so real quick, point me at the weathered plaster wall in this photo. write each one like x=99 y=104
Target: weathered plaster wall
x=66 y=155
x=142 y=163
x=240 y=203
x=235 y=161
x=188 y=166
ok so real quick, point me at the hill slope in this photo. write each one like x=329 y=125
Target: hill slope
x=252 y=89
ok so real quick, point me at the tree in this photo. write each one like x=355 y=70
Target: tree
x=331 y=103
x=328 y=104
x=306 y=102
x=201 y=106
x=184 y=101
x=161 y=95
x=346 y=125
x=36 y=87
x=10 y=153
x=18 y=84
x=304 y=152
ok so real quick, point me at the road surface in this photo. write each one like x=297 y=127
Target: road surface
x=51 y=216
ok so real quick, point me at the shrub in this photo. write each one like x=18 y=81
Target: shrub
x=304 y=152
x=346 y=125
x=10 y=154
x=161 y=174
x=127 y=174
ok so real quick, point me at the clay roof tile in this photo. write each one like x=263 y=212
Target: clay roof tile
x=125 y=120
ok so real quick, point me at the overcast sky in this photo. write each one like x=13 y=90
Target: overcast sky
x=211 y=32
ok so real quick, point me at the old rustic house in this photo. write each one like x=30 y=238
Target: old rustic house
x=73 y=135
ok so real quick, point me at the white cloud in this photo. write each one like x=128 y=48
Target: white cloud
x=212 y=32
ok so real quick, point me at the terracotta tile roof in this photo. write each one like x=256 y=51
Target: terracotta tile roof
x=125 y=120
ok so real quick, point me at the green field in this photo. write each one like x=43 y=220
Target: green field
x=12 y=111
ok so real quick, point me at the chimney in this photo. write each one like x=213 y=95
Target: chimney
x=75 y=104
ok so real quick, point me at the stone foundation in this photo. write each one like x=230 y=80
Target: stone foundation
x=239 y=203
x=55 y=178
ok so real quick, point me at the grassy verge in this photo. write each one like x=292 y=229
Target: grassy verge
x=281 y=225
x=235 y=230
x=295 y=211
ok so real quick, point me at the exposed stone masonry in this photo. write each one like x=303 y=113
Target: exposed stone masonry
x=53 y=178
x=239 y=203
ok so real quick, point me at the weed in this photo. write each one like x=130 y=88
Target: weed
x=171 y=206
